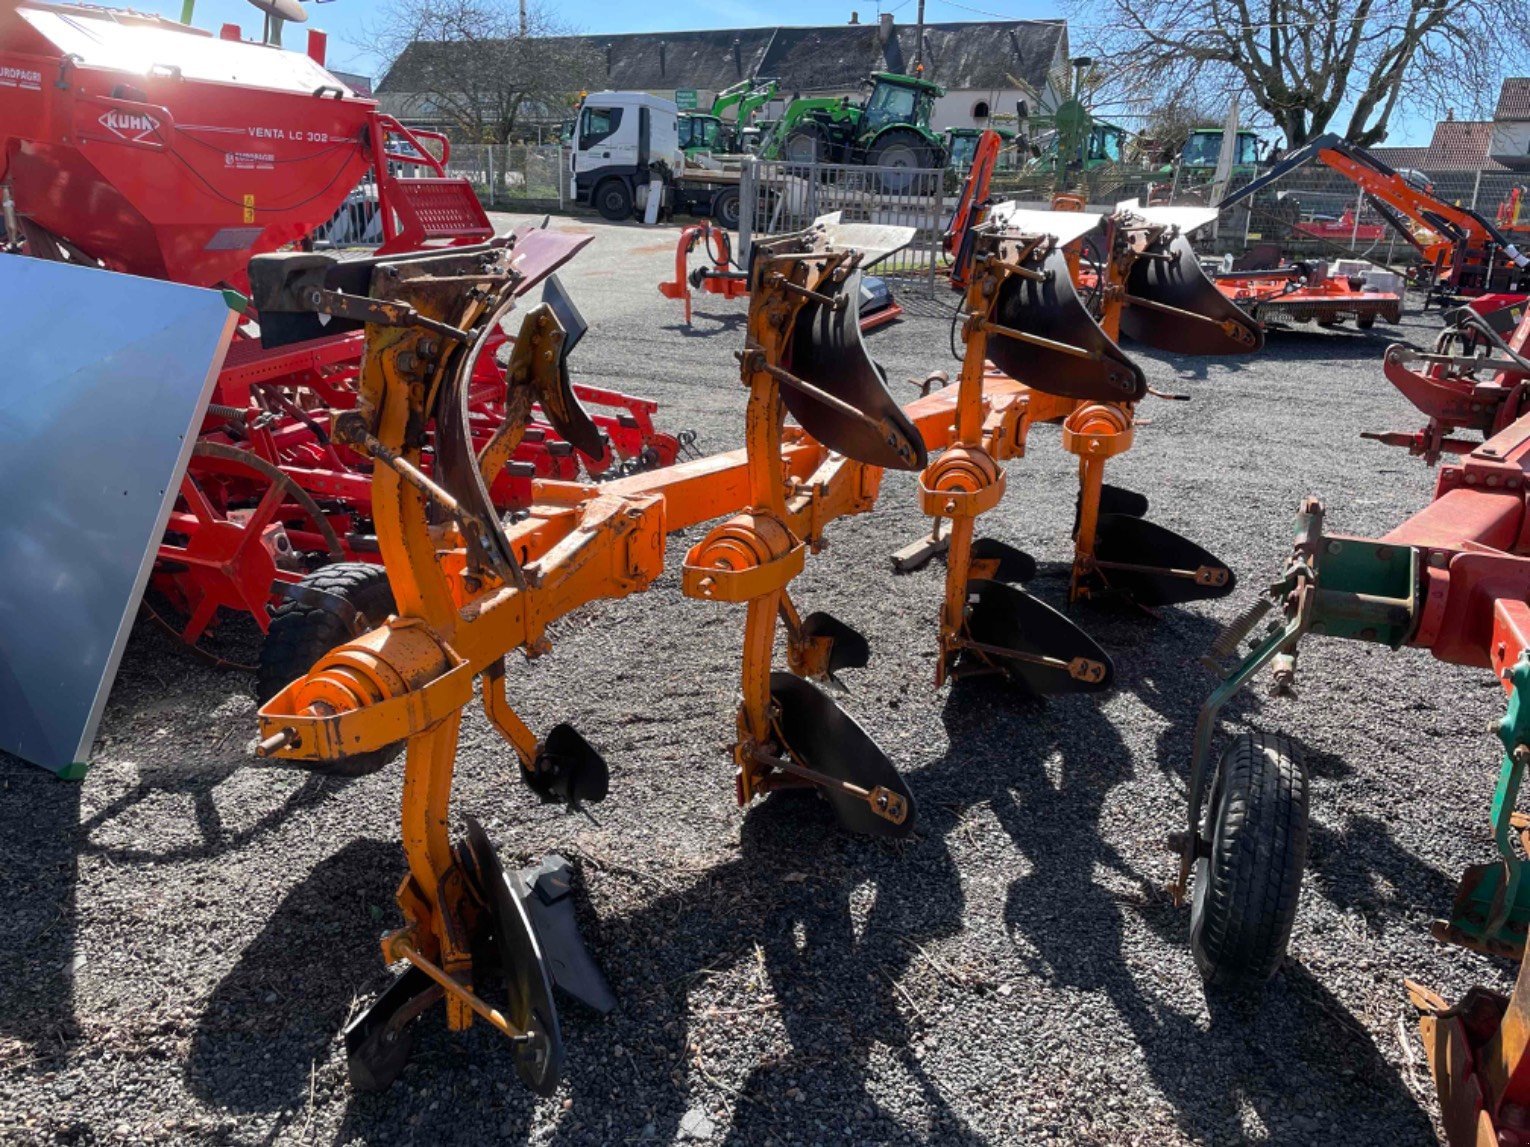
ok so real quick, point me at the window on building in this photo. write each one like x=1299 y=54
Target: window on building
x=596 y=124
x=980 y=110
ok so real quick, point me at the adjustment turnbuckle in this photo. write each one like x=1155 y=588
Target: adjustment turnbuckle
x=882 y=801
x=1078 y=668
x=400 y=946
x=1201 y=575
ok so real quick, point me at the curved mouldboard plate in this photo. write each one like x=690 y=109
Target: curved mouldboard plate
x=1179 y=282
x=1053 y=310
x=539 y=1060
x=827 y=739
x=1005 y=617
x=827 y=351
x=1147 y=562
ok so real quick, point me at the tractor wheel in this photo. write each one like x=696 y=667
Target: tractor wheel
x=613 y=199
x=903 y=152
x=304 y=631
x=1365 y=322
x=1247 y=888
x=725 y=208
x=805 y=144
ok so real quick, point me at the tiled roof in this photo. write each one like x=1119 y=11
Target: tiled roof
x=1460 y=142
x=1514 y=99
x=1458 y=145
x=1399 y=157
x=965 y=55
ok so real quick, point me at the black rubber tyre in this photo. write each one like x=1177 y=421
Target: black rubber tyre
x=904 y=150
x=1366 y=322
x=725 y=208
x=805 y=144
x=1247 y=889
x=613 y=199
x=301 y=633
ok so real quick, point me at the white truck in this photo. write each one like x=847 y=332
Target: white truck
x=623 y=142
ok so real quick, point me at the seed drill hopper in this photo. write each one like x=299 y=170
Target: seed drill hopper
x=154 y=149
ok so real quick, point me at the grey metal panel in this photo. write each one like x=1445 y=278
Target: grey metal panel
x=1064 y=226
x=103 y=389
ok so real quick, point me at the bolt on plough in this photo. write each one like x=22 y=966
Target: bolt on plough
x=1453 y=579
x=470 y=590
x=1046 y=295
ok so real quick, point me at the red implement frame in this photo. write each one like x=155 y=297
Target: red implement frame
x=724 y=278
x=177 y=171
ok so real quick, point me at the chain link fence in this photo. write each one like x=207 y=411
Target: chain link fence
x=778 y=198
x=505 y=175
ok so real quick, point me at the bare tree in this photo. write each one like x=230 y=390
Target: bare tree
x=1314 y=65
x=481 y=66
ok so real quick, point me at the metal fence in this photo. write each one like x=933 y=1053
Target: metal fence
x=506 y=174
x=777 y=198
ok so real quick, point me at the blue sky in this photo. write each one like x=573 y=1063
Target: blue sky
x=346 y=21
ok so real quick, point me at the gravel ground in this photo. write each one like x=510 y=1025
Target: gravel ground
x=188 y=930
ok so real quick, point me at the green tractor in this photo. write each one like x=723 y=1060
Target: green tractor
x=1203 y=150
x=890 y=129
x=708 y=132
x=961 y=145
x=700 y=132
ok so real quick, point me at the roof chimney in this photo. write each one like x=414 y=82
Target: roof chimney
x=1450 y=115
x=884 y=33
x=855 y=17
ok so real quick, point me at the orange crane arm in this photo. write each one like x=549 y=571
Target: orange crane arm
x=1456 y=227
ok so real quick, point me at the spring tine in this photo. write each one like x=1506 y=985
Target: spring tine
x=1233 y=633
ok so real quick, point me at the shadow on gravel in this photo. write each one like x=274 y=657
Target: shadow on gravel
x=270 y=1031
x=714 y=325
x=817 y=924
x=1296 y=1057
x=39 y=828
x=1364 y=869
x=198 y=782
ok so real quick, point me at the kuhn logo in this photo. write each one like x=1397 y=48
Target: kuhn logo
x=131 y=126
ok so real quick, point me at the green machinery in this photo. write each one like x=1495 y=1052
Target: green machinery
x=1203 y=148
x=1072 y=139
x=889 y=129
x=709 y=132
x=961 y=144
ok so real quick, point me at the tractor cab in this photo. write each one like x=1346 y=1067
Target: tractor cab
x=896 y=99
x=700 y=132
x=961 y=146
x=1203 y=149
x=1107 y=144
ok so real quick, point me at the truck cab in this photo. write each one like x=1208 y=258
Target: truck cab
x=618 y=137
x=624 y=140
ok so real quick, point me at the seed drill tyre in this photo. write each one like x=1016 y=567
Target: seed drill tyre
x=302 y=632
x=1246 y=890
